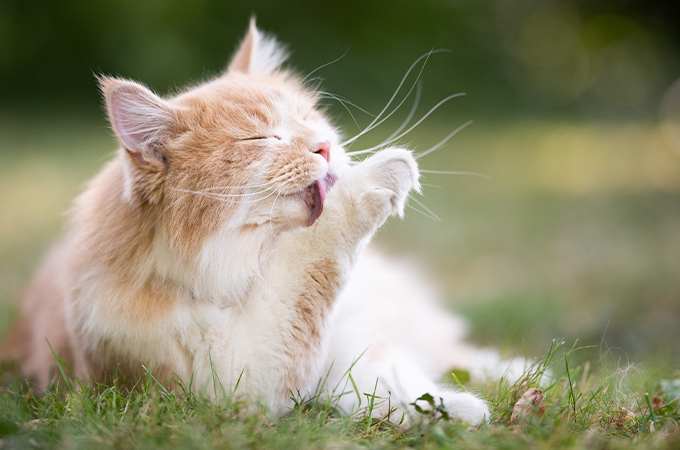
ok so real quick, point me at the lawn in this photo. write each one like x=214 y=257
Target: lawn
x=573 y=235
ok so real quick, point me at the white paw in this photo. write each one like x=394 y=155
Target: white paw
x=381 y=183
x=466 y=407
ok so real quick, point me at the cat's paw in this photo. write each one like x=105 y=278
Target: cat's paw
x=380 y=184
x=466 y=407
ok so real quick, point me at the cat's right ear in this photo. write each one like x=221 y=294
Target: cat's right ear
x=142 y=121
x=258 y=53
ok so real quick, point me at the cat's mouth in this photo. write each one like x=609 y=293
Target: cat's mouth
x=315 y=194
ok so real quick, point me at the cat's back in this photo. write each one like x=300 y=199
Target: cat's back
x=92 y=240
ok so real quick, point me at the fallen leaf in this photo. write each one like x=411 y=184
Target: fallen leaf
x=531 y=402
x=657 y=403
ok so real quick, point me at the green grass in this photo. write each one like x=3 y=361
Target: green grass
x=581 y=409
x=575 y=236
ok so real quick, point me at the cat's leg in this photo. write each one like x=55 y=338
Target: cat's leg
x=283 y=328
x=397 y=381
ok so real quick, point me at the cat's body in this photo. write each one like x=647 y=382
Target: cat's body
x=227 y=238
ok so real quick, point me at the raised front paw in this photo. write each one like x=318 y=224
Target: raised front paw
x=380 y=184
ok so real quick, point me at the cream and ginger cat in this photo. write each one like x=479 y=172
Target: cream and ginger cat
x=229 y=234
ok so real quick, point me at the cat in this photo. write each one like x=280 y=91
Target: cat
x=229 y=237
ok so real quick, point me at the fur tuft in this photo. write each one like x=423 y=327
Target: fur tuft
x=259 y=53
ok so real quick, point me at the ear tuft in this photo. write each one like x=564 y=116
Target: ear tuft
x=258 y=53
x=141 y=120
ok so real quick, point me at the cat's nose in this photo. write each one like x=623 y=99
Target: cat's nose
x=324 y=149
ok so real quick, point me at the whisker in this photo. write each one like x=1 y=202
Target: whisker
x=265 y=197
x=450 y=97
x=271 y=213
x=285 y=211
x=343 y=104
x=429 y=211
x=319 y=79
x=324 y=65
x=214 y=195
x=343 y=99
x=410 y=114
x=223 y=198
x=443 y=141
x=254 y=185
x=421 y=212
x=449 y=172
x=371 y=151
x=403 y=80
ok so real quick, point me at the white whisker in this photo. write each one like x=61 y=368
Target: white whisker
x=421 y=212
x=343 y=104
x=285 y=211
x=429 y=211
x=319 y=79
x=410 y=114
x=323 y=65
x=214 y=195
x=450 y=97
x=343 y=99
x=443 y=141
x=247 y=186
x=375 y=122
x=223 y=198
x=271 y=213
x=451 y=172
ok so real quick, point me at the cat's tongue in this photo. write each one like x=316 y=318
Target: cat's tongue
x=319 y=189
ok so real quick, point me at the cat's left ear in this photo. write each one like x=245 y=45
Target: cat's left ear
x=142 y=121
x=258 y=54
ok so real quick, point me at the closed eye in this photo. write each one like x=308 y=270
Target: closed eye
x=260 y=137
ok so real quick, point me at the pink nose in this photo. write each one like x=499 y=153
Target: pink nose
x=324 y=149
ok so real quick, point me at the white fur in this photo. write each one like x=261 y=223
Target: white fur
x=268 y=54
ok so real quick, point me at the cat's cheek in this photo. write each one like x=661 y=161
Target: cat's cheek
x=284 y=211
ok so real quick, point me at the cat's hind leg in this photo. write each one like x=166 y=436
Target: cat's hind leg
x=395 y=379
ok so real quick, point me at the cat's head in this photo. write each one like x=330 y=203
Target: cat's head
x=249 y=148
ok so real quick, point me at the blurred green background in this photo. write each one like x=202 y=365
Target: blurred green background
x=576 y=109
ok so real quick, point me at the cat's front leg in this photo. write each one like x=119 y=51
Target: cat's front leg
x=300 y=282
x=359 y=203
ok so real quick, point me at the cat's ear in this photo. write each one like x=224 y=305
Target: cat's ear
x=258 y=54
x=142 y=121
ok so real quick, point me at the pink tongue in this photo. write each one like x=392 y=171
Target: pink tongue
x=320 y=195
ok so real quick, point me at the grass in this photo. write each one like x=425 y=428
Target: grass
x=576 y=235
x=580 y=409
